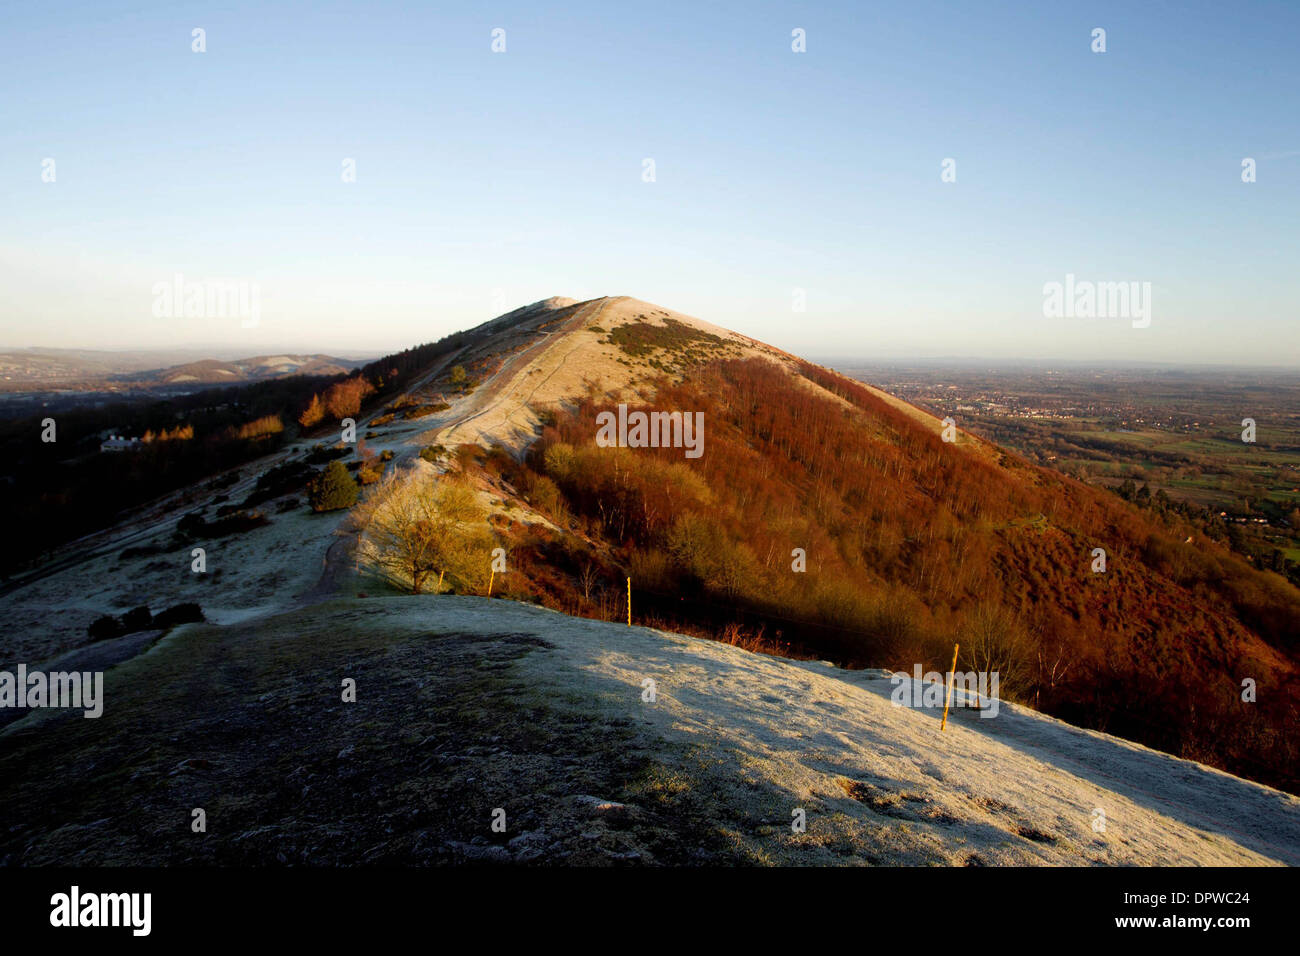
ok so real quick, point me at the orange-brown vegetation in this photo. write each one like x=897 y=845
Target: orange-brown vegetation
x=912 y=544
x=259 y=428
x=179 y=433
x=340 y=400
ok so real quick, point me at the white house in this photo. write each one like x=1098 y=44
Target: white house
x=118 y=443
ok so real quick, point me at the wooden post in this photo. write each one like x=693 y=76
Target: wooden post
x=440 y=574
x=629 y=602
x=948 y=696
x=491 y=578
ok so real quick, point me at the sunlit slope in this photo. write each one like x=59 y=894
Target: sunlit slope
x=465 y=705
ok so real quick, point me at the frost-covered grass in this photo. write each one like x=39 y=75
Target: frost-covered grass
x=467 y=704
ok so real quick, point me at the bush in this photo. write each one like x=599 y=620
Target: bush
x=187 y=613
x=137 y=619
x=322 y=454
x=231 y=519
x=333 y=489
x=545 y=495
x=105 y=628
x=370 y=470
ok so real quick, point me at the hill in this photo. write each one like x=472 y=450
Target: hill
x=88 y=369
x=909 y=544
x=214 y=371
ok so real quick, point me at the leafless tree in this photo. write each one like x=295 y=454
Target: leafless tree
x=417 y=526
x=588 y=578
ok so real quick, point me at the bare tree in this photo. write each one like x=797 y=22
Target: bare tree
x=588 y=578
x=1054 y=663
x=992 y=640
x=417 y=526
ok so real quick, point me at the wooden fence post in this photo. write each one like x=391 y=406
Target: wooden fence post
x=948 y=696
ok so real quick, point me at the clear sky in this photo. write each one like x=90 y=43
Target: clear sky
x=485 y=178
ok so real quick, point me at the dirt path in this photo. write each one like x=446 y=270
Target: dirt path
x=497 y=390
x=339 y=560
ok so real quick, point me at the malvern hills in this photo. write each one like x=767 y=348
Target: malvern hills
x=805 y=532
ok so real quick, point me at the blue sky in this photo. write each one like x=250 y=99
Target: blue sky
x=484 y=177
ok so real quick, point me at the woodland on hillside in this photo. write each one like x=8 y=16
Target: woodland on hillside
x=911 y=544
x=57 y=491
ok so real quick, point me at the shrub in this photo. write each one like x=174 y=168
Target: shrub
x=187 y=613
x=230 y=520
x=333 y=489
x=370 y=470
x=105 y=628
x=137 y=619
x=322 y=454
x=558 y=461
x=545 y=495
x=279 y=481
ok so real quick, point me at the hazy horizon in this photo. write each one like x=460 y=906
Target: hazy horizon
x=486 y=180
x=225 y=352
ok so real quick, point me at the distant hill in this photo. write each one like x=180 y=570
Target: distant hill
x=217 y=372
x=42 y=368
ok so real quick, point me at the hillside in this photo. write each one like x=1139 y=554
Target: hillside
x=911 y=543
x=465 y=705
